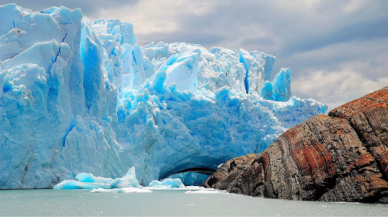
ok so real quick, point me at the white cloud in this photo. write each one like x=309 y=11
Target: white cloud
x=337 y=87
x=353 y=6
x=321 y=83
x=155 y=16
x=340 y=73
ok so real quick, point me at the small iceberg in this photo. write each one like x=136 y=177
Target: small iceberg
x=89 y=181
x=71 y=184
x=167 y=183
x=126 y=184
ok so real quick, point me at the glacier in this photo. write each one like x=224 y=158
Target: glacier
x=80 y=96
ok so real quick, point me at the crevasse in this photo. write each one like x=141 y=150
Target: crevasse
x=81 y=96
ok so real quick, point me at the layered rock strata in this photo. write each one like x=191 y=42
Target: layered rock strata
x=339 y=157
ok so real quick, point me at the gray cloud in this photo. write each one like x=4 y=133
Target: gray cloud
x=89 y=7
x=364 y=31
x=205 y=39
x=258 y=41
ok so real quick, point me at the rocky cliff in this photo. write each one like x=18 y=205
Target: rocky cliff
x=339 y=157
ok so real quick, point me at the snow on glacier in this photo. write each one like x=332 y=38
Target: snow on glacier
x=80 y=96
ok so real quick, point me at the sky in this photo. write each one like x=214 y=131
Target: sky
x=337 y=51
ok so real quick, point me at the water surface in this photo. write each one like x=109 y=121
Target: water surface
x=168 y=203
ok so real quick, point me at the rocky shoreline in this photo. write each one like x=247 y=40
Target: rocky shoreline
x=342 y=156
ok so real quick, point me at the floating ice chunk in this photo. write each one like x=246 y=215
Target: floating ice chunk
x=70 y=184
x=167 y=183
x=129 y=180
x=87 y=177
x=89 y=181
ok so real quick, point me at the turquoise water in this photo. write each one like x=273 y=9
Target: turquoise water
x=168 y=203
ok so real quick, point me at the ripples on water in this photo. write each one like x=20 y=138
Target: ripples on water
x=169 y=203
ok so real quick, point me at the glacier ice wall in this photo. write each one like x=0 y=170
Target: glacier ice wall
x=81 y=96
x=53 y=122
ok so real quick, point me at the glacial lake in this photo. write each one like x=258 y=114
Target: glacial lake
x=168 y=203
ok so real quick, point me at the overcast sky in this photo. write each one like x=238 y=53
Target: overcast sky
x=337 y=50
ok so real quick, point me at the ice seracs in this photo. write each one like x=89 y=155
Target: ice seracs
x=80 y=96
x=280 y=89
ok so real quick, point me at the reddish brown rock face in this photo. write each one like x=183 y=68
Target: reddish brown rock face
x=340 y=157
x=369 y=118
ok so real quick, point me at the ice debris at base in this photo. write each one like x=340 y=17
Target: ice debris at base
x=89 y=181
x=126 y=184
x=129 y=180
x=167 y=183
x=80 y=95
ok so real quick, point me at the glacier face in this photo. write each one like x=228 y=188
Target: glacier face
x=81 y=96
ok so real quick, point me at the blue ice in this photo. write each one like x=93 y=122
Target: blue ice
x=89 y=181
x=167 y=183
